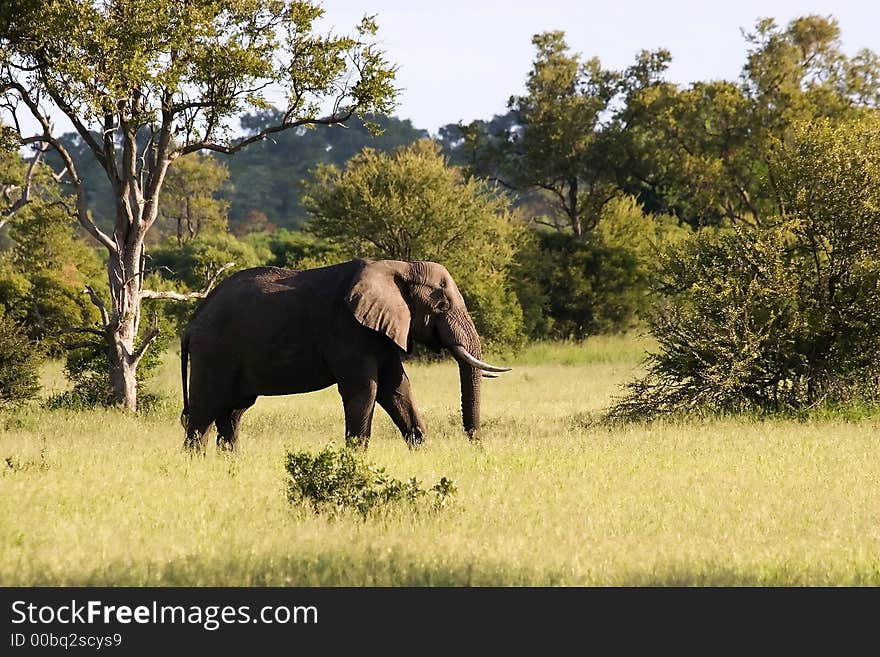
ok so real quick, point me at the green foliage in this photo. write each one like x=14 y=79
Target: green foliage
x=190 y=203
x=19 y=361
x=410 y=205
x=784 y=317
x=601 y=285
x=295 y=250
x=701 y=151
x=591 y=287
x=45 y=265
x=338 y=480
x=191 y=265
x=203 y=52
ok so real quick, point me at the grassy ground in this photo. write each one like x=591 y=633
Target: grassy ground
x=547 y=498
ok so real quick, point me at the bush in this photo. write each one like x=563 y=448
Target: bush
x=189 y=266
x=410 y=205
x=338 y=480
x=784 y=317
x=292 y=250
x=19 y=361
x=601 y=285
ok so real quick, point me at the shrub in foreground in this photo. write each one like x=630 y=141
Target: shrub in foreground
x=337 y=480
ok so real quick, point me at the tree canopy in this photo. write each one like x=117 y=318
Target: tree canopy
x=410 y=205
x=145 y=82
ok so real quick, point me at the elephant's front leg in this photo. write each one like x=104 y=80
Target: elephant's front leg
x=359 y=400
x=395 y=396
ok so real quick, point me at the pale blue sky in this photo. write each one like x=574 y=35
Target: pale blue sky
x=462 y=59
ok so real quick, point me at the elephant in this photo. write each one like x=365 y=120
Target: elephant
x=274 y=331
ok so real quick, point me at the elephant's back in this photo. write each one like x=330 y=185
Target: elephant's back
x=260 y=295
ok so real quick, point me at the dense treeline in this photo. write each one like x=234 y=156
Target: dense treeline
x=600 y=200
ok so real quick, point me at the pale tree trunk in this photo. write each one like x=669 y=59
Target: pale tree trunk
x=137 y=192
x=123 y=379
x=125 y=278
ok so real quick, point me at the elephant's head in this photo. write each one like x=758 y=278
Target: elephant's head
x=419 y=301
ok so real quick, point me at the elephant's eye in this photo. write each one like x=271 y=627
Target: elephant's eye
x=443 y=283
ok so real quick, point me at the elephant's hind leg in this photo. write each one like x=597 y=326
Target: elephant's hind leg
x=227 y=426
x=197 y=425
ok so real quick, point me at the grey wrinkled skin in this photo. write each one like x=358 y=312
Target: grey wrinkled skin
x=271 y=331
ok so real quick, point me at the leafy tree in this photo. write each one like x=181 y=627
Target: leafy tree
x=193 y=264
x=784 y=316
x=19 y=360
x=702 y=151
x=44 y=264
x=410 y=205
x=602 y=285
x=295 y=250
x=180 y=74
x=561 y=137
x=191 y=205
x=268 y=177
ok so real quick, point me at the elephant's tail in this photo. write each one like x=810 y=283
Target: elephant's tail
x=184 y=362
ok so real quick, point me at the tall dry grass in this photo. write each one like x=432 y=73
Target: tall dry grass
x=547 y=498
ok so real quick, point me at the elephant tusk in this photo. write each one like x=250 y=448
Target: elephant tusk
x=489 y=375
x=462 y=353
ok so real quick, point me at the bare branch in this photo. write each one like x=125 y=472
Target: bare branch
x=554 y=225
x=83 y=131
x=82 y=213
x=234 y=148
x=17 y=204
x=41 y=321
x=151 y=335
x=160 y=159
x=96 y=301
x=188 y=296
x=47 y=137
x=170 y=294
x=83 y=345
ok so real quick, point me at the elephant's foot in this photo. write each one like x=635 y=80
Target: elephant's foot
x=193 y=446
x=414 y=439
x=224 y=445
x=359 y=443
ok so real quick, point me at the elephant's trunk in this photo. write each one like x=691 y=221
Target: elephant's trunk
x=471 y=380
x=459 y=335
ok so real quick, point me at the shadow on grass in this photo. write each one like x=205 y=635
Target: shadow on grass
x=399 y=569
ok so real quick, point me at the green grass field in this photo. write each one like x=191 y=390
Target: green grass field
x=547 y=497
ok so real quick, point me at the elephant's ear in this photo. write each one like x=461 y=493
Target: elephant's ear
x=377 y=303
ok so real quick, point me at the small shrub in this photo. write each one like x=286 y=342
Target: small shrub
x=338 y=480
